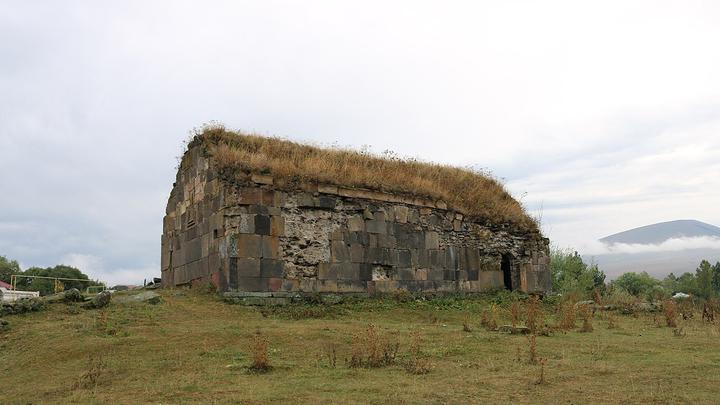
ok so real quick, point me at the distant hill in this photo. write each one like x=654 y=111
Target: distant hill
x=659 y=233
x=659 y=263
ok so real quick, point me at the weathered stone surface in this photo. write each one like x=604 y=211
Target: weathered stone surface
x=148 y=297
x=250 y=236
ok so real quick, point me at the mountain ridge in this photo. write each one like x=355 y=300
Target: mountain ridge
x=660 y=232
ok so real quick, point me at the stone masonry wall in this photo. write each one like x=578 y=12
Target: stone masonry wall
x=252 y=237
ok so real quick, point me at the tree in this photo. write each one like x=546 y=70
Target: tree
x=8 y=268
x=47 y=286
x=704 y=276
x=571 y=274
x=716 y=277
x=636 y=284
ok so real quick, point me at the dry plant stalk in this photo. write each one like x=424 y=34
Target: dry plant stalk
x=416 y=364
x=587 y=314
x=597 y=297
x=542 y=361
x=612 y=321
x=533 y=313
x=670 y=311
x=567 y=315
x=515 y=313
x=259 y=351
x=532 y=349
x=90 y=378
x=466 y=324
x=372 y=350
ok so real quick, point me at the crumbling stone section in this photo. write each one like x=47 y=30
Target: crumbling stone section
x=251 y=236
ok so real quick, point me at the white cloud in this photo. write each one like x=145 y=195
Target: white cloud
x=670 y=245
x=606 y=113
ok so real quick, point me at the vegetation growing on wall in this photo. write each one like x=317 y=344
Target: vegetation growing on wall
x=473 y=192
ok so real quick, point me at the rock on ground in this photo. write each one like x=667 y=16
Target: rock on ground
x=99 y=301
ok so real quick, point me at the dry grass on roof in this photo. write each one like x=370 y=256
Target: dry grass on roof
x=474 y=193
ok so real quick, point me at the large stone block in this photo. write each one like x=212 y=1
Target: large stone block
x=249 y=245
x=270 y=247
x=376 y=226
x=254 y=284
x=491 y=280
x=247 y=223
x=401 y=213
x=404 y=274
x=262 y=224
x=435 y=274
x=346 y=271
x=271 y=268
x=247 y=267
x=339 y=251
x=432 y=240
x=357 y=253
x=351 y=286
x=356 y=224
x=404 y=258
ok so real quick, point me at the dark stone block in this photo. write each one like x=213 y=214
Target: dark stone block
x=375 y=226
x=355 y=286
x=258 y=209
x=247 y=267
x=262 y=224
x=437 y=259
x=362 y=238
x=423 y=258
x=365 y=272
x=452 y=261
x=339 y=251
x=449 y=275
x=270 y=247
x=357 y=253
x=435 y=275
x=233 y=282
x=473 y=275
x=347 y=271
x=252 y=284
x=326 y=202
x=327 y=272
x=271 y=268
x=404 y=258
x=404 y=274
x=249 y=245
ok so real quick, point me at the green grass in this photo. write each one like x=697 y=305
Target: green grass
x=194 y=348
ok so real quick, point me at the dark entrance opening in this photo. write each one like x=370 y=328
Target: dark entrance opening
x=507 y=272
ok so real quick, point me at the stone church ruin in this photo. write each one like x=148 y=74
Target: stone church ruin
x=270 y=217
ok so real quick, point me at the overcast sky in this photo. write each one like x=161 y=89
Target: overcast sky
x=600 y=116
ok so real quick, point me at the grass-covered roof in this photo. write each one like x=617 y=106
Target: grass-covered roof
x=474 y=193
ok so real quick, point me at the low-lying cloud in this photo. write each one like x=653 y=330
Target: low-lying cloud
x=670 y=245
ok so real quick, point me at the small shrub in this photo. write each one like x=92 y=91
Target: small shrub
x=679 y=332
x=372 y=350
x=567 y=315
x=91 y=377
x=331 y=354
x=670 y=311
x=488 y=318
x=466 y=324
x=259 y=352
x=597 y=297
x=611 y=321
x=416 y=364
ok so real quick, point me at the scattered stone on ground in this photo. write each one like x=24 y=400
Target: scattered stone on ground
x=514 y=330
x=4 y=325
x=149 y=297
x=99 y=301
x=21 y=306
x=71 y=295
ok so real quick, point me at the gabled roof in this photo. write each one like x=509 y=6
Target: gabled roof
x=5 y=285
x=475 y=193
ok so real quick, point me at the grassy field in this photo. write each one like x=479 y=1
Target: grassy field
x=195 y=348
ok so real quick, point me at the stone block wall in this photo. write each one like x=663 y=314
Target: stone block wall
x=250 y=237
